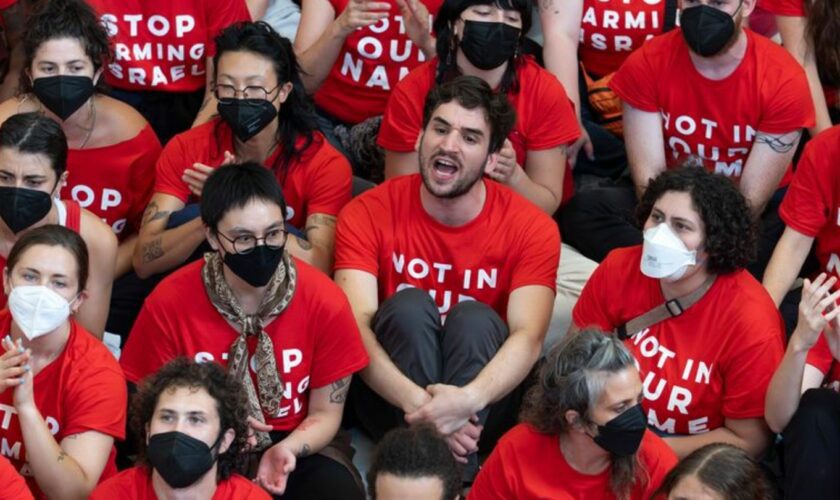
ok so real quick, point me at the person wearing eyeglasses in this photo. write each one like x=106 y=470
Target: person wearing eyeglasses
x=264 y=117
x=283 y=328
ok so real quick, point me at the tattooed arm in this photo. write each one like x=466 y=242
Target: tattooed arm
x=766 y=165
x=159 y=249
x=318 y=247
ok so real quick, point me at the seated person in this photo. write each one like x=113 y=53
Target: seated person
x=191 y=422
x=447 y=244
x=264 y=118
x=483 y=39
x=705 y=366
x=605 y=449
x=250 y=303
x=66 y=403
x=802 y=400
x=809 y=212
x=714 y=94
x=719 y=471
x=413 y=462
x=33 y=161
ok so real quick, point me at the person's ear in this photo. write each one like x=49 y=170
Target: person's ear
x=573 y=419
x=492 y=160
x=78 y=301
x=97 y=75
x=146 y=428
x=7 y=281
x=285 y=91
x=227 y=440
x=419 y=141
x=211 y=238
x=60 y=184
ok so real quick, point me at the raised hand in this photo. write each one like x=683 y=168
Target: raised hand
x=275 y=466
x=817 y=312
x=361 y=13
x=13 y=364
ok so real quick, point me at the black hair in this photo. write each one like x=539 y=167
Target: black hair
x=234 y=186
x=52 y=19
x=296 y=118
x=472 y=92
x=730 y=232
x=416 y=452
x=721 y=467
x=34 y=133
x=447 y=45
x=53 y=235
x=228 y=393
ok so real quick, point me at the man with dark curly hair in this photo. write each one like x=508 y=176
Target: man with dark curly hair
x=414 y=462
x=705 y=367
x=191 y=420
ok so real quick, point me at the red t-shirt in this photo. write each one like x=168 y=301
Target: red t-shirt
x=544 y=115
x=115 y=182
x=164 y=45
x=319 y=182
x=136 y=484
x=511 y=471
x=14 y=486
x=716 y=120
x=315 y=338
x=611 y=29
x=794 y=8
x=387 y=232
x=371 y=62
x=712 y=362
x=82 y=390
x=72 y=220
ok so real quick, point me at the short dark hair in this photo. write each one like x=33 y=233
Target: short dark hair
x=52 y=19
x=415 y=452
x=296 y=118
x=53 y=235
x=472 y=92
x=730 y=231
x=34 y=133
x=222 y=387
x=723 y=468
x=234 y=186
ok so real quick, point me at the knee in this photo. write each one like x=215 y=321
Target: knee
x=408 y=311
x=472 y=322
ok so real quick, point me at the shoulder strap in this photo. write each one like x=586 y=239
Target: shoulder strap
x=670 y=16
x=669 y=309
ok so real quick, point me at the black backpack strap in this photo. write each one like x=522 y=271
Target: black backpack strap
x=670 y=20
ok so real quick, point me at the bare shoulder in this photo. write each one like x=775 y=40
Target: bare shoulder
x=16 y=105
x=99 y=238
x=123 y=121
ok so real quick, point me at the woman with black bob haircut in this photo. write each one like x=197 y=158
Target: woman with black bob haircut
x=584 y=434
x=191 y=423
x=705 y=333
x=719 y=471
x=264 y=117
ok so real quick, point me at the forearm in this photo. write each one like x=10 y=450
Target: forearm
x=508 y=368
x=317 y=255
x=784 y=266
x=786 y=386
x=316 y=61
x=823 y=119
x=313 y=434
x=536 y=193
x=399 y=163
x=684 y=445
x=125 y=255
x=561 y=59
x=57 y=473
x=157 y=252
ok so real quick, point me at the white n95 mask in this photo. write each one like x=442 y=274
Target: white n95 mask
x=664 y=255
x=37 y=310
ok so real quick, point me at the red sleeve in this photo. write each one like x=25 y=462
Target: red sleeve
x=820 y=356
x=550 y=119
x=635 y=80
x=747 y=373
x=591 y=308
x=539 y=256
x=356 y=241
x=495 y=481
x=807 y=204
x=5 y=4
x=220 y=15
x=150 y=344
x=143 y=177
x=331 y=183
x=339 y=351
x=14 y=486
x=793 y=8
x=403 y=118
x=170 y=167
x=786 y=105
x=97 y=402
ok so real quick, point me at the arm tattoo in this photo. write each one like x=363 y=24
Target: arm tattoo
x=779 y=143
x=339 y=390
x=154 y=213
x=548 y=5
x=315 y=221
x=304 y=244
x=152 y=250
x=305 y=450
x=62 y=456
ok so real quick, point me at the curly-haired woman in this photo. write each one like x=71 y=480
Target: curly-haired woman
x=705 y=367
x=192 y=422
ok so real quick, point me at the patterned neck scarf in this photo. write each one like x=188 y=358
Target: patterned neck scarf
x=279 y=293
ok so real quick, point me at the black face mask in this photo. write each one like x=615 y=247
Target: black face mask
x=622 y=435
x=489 y=45
x=247 y=117
x=63 y=94
x=706 y=29
x=257 y=266
x=20 y=208
x=180 y=459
